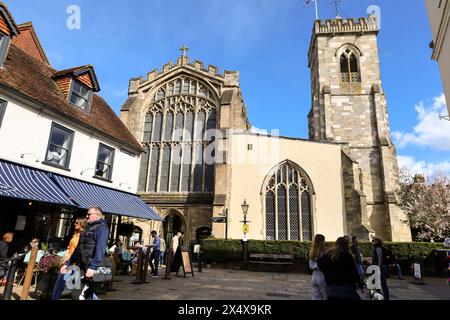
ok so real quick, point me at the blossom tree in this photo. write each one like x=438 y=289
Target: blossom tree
x=426 y=203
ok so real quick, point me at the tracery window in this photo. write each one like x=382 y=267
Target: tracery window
x=349 y=67
x=176 y=139
x=287 y=196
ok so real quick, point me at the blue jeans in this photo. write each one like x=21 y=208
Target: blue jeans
x=154 y=256
x=59 y=287
x=384 y=272
x=161 y=257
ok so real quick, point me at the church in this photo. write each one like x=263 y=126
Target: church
x=202 y=161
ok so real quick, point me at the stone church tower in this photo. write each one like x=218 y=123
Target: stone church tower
x=349 y=107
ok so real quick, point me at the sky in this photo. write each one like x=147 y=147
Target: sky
x=267 y=42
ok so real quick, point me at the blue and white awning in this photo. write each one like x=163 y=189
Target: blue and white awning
x=87 y=195
x=25 y=183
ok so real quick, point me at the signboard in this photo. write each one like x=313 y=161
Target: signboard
x=186 y=262
x=245 y=228
x=417 y=273
x=219 y=219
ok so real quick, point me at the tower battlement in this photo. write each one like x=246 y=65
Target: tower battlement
x=228 y=77
x=340 y=25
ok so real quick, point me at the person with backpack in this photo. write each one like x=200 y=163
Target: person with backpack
x=381 y=258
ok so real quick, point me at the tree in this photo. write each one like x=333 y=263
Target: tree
x=426 y=203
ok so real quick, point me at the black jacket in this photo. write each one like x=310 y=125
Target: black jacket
x=342 y=271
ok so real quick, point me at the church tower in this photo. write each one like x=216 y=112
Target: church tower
x=349 y=107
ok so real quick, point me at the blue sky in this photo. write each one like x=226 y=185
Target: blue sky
x=267 y=42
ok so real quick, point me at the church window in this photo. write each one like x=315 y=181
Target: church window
x=349 y=67
x=175 y=132
x=288 y=204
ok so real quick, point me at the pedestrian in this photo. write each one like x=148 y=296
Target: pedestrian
x=171 y=252
x=80 y=225
x=357 y=255
x=319 y=286
x=163 y=250
x=4 y=257
x=340 y=272
x=154 y=256
x=90 y=250
x=200 y=256
x=381 y=255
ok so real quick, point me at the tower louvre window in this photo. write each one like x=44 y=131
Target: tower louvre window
x=349 y=67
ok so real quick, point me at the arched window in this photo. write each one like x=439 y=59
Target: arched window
x=349 y=67
x=287 y=196
x=175 y=138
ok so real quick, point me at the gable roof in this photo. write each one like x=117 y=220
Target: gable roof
x=77 y=71
x=9 y=19
x=24 y=75
x=29 y=42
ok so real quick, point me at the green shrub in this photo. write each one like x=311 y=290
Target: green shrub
x=219 y=250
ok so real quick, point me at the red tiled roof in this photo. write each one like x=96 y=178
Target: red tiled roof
x=33 y=78
x=77 y=71
x=10 y=17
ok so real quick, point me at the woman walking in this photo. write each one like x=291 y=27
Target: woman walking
x=318 y=278
x=340 y=272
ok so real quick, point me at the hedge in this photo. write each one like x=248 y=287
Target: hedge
x=219 y=250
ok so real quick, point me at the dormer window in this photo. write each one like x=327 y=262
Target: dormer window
x=80 y=96
x=4 y=46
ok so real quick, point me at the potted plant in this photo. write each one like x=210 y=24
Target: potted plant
x=48 y=269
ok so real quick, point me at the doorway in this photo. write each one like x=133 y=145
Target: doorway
x=171 y=225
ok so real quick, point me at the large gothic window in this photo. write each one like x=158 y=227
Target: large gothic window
x=349 y=67
x=287 y=196
x=176 y=139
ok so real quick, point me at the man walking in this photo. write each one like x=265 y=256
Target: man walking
x=154 y=256
x=90 y=250
x=380 y=257
x=356 y=251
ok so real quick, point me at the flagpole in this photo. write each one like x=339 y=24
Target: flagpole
x=317 y=12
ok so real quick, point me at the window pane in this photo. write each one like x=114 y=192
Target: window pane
x=165 y=170
x=189 y=126
x=59 y=146
x=203 y=92
x=154 y=169
x=178 y=134
x=282 y=221
x=270 y=216
x=306 y=217
x=148 y=127
x=353 y=63
x=105 y=155
x=198 y=169
x=187 y=160
x=344 y=64
x=169 y=127
x=199 y=126
x=293 y=214
x=160 y=94
x=193 y=87
x=158 y=127
x=176 y=166
x=209 y=178
x=143 y=173
x=170 y=90
x=177 y=87
x=186 y=86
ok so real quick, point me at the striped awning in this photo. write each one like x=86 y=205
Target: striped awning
x=17 y=181
x=87 y=195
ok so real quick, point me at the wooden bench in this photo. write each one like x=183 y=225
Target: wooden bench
x=277 y=259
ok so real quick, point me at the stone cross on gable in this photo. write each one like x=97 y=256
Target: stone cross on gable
x=184 y=49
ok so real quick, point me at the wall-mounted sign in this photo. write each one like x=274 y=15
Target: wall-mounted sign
x=20 y=223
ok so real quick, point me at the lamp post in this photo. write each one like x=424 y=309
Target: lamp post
x=245 y=229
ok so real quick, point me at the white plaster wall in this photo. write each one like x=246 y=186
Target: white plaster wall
x=322 y=162
x=25 y=130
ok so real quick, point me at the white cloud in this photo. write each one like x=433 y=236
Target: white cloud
x=421 y=167
x=430 y=132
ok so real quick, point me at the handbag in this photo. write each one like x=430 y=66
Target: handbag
x=104 y=271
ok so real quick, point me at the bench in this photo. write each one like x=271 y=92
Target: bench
x=276 y=259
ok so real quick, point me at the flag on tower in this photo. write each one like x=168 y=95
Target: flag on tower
x=307 y=2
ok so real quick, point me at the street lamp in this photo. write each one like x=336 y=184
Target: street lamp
x=245 y=229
